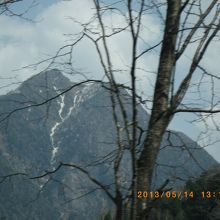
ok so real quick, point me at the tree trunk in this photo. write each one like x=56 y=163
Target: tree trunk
x=146 y=164
x=119 y=207
x=161 y=113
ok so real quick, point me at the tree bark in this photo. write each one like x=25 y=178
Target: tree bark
x=119 y=207
x=161 y=114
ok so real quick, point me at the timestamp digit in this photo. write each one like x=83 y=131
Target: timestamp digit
x=156 y=194
x=168 y=194
x=174 y=194
x=139 y=194
x=208 y=194
x=145 y=194
x=191 y=194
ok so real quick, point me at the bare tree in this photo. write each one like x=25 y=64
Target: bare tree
x=188 y=25
x=180 y=33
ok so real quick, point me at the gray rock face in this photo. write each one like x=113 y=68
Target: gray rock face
x=77 y=127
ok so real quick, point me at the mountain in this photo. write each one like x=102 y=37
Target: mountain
x=78 y=128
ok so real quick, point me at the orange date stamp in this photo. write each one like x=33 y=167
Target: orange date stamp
x=177 y=194
x=165 y=194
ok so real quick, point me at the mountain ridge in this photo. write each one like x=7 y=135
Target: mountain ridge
x=78 y=128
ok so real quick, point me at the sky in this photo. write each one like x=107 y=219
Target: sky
x=24 y=42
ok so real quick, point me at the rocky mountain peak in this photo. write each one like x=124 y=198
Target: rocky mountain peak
x=47 y=80
x=77 y=127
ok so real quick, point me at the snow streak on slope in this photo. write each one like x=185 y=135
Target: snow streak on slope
x=56 y=125
x=80 y=96
x=62 y=104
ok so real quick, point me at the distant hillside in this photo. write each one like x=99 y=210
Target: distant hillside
x=77 y=127
x=204 y=203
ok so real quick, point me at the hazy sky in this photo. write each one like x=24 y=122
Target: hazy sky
x=23 y=43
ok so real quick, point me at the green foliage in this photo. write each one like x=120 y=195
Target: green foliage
x=107 y=216
x=169 y=209
x=204 y=205
x=201 y=207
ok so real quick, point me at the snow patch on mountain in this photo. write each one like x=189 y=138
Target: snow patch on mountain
x=56 y=125
x=62 y=104
x=82 y=94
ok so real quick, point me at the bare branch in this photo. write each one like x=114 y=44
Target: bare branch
x=196 y=26
x=8 y=114
x=195 y=110
x=98 y=183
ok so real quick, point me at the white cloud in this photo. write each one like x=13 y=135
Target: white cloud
x=23 y=43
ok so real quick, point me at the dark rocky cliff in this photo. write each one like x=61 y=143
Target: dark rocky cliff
x=77 y=127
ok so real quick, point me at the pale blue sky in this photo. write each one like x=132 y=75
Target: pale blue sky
x=23 y=43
